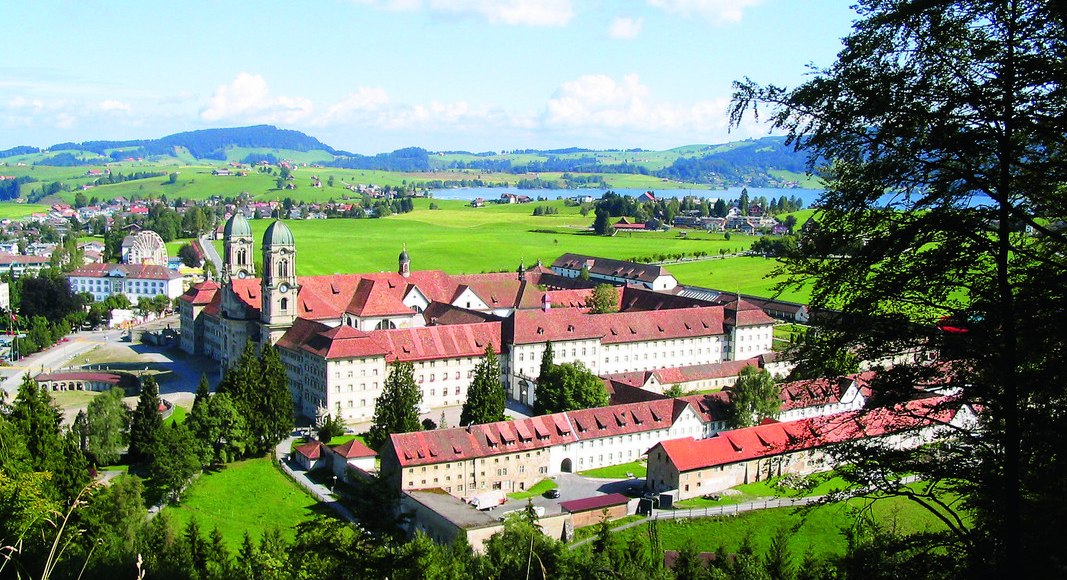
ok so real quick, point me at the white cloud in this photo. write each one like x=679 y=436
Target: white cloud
x=623 y=28
x=248 y=98
x=601 y=106
x=113 y=105
x=509 y=12
x=364 y=101
x=715 y=10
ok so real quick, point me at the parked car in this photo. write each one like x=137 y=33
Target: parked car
x=552 y=493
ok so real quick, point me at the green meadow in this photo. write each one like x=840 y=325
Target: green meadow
x=246 y=496
x=459 y=239
x=821 y=528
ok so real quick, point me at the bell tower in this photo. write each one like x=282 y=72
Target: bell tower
x=237 y=249
x=404 y=263
x=279 y=288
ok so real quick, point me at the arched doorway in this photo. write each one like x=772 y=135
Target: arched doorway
x=565 y=467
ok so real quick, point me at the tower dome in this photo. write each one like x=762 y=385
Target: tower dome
x=237 y=225
x=404 y=262
x=278 y=234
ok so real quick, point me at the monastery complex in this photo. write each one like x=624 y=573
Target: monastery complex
x=338 y=334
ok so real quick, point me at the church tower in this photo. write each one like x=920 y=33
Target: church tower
x=237 y=249
x=279 y=289
x=405 y=263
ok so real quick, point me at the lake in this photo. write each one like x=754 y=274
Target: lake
x=808 y=196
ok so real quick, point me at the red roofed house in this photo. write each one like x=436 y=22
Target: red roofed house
x=691 y=468
x=310 y=455
x=353 y=455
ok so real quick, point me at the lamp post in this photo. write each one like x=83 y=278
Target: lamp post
x=334 y=486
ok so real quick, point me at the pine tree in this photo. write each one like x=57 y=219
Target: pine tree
x=546 y=361
x=145 y=422
x=397 y=409
x=485 y=397
x=203 y=391
x=275 y=404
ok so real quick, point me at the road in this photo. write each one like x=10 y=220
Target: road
x=210 y=252
x=182 y=371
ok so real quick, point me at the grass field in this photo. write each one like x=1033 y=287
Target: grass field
x=20 y=210
x=820 y=528
x=178 y=416
x=245 y=496
x=748 y=275
x=636 y=468
x=461 y=239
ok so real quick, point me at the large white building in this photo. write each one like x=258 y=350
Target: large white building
x=135 y=281
x=338 y=334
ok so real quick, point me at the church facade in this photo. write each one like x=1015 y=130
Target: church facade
x=338 y=335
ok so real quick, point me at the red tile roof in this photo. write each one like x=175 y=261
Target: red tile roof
x=406 y=344
x=462 y=443
x=533 y=326
x=202 y=293
x=376 y=298
x=743 y=313
x=819 y=392
x=110 y=378
x=769 y=439
x=353 y=449
x=593 y=503
x=669 y=376
x=436 y=342
x=311 y=450
x=135 y=271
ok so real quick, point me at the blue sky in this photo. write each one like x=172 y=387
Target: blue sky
x=375 y=75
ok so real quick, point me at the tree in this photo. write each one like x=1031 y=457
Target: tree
x=203 y=391
x=940 y=129
x=220 y=430
x=145 y=422
x=106 y=419
x=568 y=387
x=275 y=410
x=259 y=390
x=173 y=461
x=604 y=300
x=753 y=398
x=600 y=224
x=485 y=397
x=332 y=426
x=189 y=255
x=397 y=409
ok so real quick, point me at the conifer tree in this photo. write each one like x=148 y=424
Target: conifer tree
x=146 y=421
x=203 y=391
x=274 y=410
x=397 y=409
x=485 y=397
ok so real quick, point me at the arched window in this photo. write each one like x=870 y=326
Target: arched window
x=385 y=325
x=283 y=268
x=285 y=304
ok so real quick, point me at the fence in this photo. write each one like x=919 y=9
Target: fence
x=733 y=509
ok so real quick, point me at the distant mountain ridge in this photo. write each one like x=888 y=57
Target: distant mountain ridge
x=752 y=162
x=203 y=143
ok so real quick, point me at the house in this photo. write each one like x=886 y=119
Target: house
x=351 y=455
x=310 y=455
x=618 y=272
